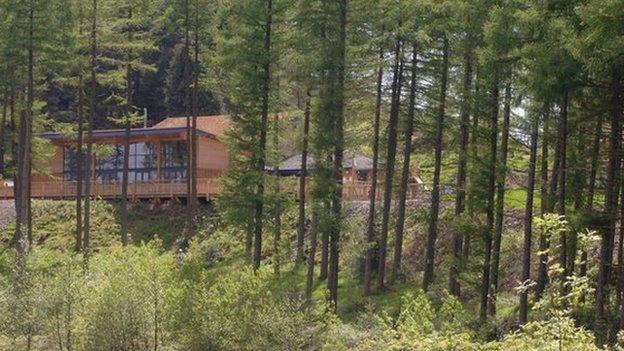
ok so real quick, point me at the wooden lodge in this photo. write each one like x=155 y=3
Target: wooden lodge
x=158 y=164
x=157 y=167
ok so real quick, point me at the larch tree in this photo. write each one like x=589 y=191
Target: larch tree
x=393 y=121
x=93 y=84
x=250 y=71
x=125 y=42
x=596 y=45
x=405 y=170
x=528 y=219
x=432 y=231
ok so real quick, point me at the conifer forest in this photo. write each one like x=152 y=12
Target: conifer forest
x=428 y=175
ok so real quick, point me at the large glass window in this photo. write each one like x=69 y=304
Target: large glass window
x=174 y=158
x=109 y=167
x=70 y=164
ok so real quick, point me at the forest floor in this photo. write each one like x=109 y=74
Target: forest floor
x=53 y=228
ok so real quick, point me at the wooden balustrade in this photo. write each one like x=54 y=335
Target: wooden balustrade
x=357 y=191
x=206 y=187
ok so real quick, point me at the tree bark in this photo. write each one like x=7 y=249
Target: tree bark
x=390 y=160
x=302 y=179
x=312 y=252
x=92 y=113
x=432 y=231
x=500 y=202
x=277 y=215
x=193 y=205
x=324 y=264
x=338 y=104
x=5 y=107
x=261 y=158
x=485 y=283
x=190 y=228
x=563 y=136
x=79 y=163
x=372 y=195
x=606 y=245
x=405 y=172
x=620 y=253
x=460 y=198
x=24 y=158
x=542 y=270
x=126 y=156
x=595 y=153
x=528 y=222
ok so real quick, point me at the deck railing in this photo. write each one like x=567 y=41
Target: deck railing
x=206 y=187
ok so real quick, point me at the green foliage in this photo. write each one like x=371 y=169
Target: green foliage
x=238 y=311
x=54 y=224
x=416 y=317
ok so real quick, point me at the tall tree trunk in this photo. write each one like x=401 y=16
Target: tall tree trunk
x=193 y=205
x=542 y=269
x=593 y=171
x=338 y=104
x=620 y=252
x=189 y=123
x=563 y=136
x=79 y=164
x=13 y=125
x=92 y=111
x=405 y=172
x=528 y=222
x=24 y=158
x=485 y=283
x=15 y=151
x=301 y=223
x=372 y=195
x=500 y=202
x=432 y=232
x=277 y=215
x=312 y=252
x=390 y=160
x=606 y=245
x=5 y=107
x=460 y=198
x=261 y=161
x=324 y=264
x=126 y=159
x=474 y=159
x=579 y=182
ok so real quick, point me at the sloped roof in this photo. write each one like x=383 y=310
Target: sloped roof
x=216 y=125
x=351 y=160
x=107 y=134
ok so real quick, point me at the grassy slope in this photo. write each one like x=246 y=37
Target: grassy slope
x=54 y=226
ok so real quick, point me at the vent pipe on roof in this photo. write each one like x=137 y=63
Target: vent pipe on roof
x=144 y=117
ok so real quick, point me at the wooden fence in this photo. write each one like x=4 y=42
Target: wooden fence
x=206 y=188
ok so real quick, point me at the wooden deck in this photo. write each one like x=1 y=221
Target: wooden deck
x=206 y=188
x=360 y=191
